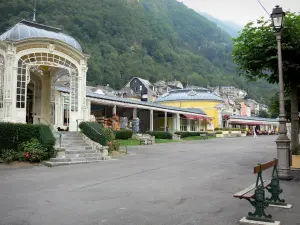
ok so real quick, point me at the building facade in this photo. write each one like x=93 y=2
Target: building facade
x=32 y=58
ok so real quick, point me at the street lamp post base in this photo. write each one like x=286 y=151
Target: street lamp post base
x=283 y=155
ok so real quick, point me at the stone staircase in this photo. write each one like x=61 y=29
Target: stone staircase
x=75 y=150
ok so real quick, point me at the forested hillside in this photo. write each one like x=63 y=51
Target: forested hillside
x=152 y=39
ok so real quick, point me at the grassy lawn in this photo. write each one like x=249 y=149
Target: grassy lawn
x=195 y=138
x=133 y=142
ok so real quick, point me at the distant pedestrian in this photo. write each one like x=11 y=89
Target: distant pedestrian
x=254 y=132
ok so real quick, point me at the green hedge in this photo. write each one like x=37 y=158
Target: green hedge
x=185 y=134
x=14 y=135
x=123 y=134
x=160 y=134
x=47 y=139
x=93 y=131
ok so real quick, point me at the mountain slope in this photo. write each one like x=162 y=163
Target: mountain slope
x=228 y=26
x=152 y=39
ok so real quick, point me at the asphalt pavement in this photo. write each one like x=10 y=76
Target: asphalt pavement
x=189 y=183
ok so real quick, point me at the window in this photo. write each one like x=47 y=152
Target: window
x=21 y=85
x=194 y=125
x=1 y=81
x=38 y=59
x=183 y=124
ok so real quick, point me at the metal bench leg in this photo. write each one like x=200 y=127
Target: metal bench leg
x=275 y=190
x=259 y=203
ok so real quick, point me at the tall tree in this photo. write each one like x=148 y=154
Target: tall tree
x=255 y=53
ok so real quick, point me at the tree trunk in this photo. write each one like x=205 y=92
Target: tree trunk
x=294 y=118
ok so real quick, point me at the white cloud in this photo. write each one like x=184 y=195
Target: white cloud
x=240 y=11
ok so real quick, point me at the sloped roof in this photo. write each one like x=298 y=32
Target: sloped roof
x=254 y=118
x=188 y=95
x=27 y=30
x=129 y=101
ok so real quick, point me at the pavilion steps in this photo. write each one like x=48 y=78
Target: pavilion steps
x=75 y=151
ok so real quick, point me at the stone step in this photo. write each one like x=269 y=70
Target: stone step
x=76 y=148
x=79 y=151
x=83 y=155
x=54 y=164
x=85 y=159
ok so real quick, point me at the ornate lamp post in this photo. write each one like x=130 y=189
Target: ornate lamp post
x=283 y=142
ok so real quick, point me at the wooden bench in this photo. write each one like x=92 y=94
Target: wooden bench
x=203 y=136
x=255 y=193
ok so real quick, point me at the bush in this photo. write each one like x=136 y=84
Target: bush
x=123 y=134
x=114 y=145
x=185 y=134
x=33 y=150
x=93 y=131
x=7 y=155
x=219 y=132
x=47 y=139
x=160 y=134
x=14 y=134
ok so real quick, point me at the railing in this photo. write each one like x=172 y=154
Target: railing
x=54 y=132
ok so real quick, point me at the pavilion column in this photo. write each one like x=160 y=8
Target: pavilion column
x=177 y=122
x=174 y=127
x=188 y=125
x=10 y=86
x=166 y=121
x=134 y=113
x=114 y=110
x=151 y=119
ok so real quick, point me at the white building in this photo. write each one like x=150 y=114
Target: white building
x=35 y=58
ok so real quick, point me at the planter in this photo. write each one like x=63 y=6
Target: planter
x=296 y=161
x=219 y=135
x=244 y=135
x=236 y=132
x=225 y=132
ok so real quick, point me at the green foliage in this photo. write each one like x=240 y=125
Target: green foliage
x=219 y=132
x=151 y=39
x=263 y=114
x=274 y=106
x=160 y=134
x=93 y=131
x=13 y=134
x=185 y=134
x=7 y=155
x=255 y=50
x=47 y=139
x=123 y=134
x=33 y=150
x=114 y=145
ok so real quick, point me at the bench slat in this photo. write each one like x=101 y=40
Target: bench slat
x=249 y=191
x=264 y=166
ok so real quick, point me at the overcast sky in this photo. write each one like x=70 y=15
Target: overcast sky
x=240 y=11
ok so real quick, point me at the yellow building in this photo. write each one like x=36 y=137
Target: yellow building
x=196 y=98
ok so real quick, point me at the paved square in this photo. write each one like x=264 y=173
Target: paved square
x=166 y=184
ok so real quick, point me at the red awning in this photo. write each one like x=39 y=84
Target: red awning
x=247 y=123
x=194 y=117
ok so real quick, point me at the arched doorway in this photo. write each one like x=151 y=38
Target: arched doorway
x=36 y=78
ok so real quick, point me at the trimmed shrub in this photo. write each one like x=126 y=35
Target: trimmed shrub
x=123 y=134
x=14 y=134
x=219 y=132
x=161 y=134
x=185 y=134
x=93 y=131
x=47 y=139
